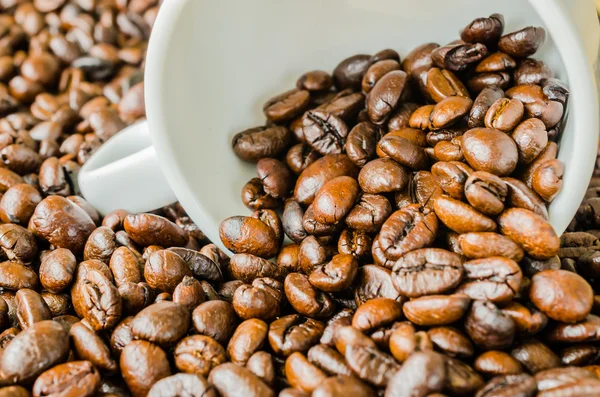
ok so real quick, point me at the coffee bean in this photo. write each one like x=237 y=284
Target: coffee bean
x=248 y=338
x=484 y=30
x=18 y=204
x=178 y=384
x=385 y=95
x=531 y=231
x=461 y=217
x=101 y=301
x=294 y=333
x=497 y=153
x=164 y=270
x=504 y=114
x=403 y=151
x=484 y=245
x=451 y=342
x=406 y=340
x=372 y=282
x=522 y=43
x=401 y=115
x=231 y=380
x=260 y=300
x=494 y=363
x=496 y=62
x=442 y=83
x=422 y=374
x=261 y=364
x=162 y=323
x=198 y=354
x=488 y=327
x=427 y=271
x=494 y=279
x=486 y=98
x=342 y=385
x=346 y=105
x=556 y=377
x=143 y=364
x=448 y=111
x=370 y=213
x=452 y=177
x=462 y=379
x=349 y=73
x=436 y=309
x=297 y=159
x=336 y=275
x=316 y=80
x=31 y=308
x=33 y=351
x=305 y=299
x=522 y=196
x=91 y=347
x=76 y=377
x=256 y=143
x=376 y=71
x=547 y=179
x=509 y=385
x=149 y=229
x=324 y=132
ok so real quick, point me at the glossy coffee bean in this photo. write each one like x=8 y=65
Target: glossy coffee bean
x=442 y=83
x=294 y=333
x=509 y=385
x=547 y=179
x=531 y=231
x=495 y=279
x=336 y=275
x=198 y=354
x=423 y=373
x=143 y=364
x=248 y=338
x=324 y=132
x=461 y=217
x=488 y=327
x=164 y=270
x=372 y=282
x=349 y=73
x=76 y=377
x=385 y=95
x=484 y=245
x=370 y=213
x=301 y=374
x=91 y=347
x=406 y=340
x=498 y=153
x=504 y=114
x=305 y=299
x=458 y=56
x=451 y=342
x=493 y=363
x=376 y=71
x=484 y=30
x=256 y=143
x=522 y=43
x=535 y=356
x=522 y=196
x=435 y=310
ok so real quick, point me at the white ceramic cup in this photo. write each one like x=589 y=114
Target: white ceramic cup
x=211 y=64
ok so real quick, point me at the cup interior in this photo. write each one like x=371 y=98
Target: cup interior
x=213 y=64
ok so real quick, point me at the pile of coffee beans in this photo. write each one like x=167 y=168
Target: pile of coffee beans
x=413 y=194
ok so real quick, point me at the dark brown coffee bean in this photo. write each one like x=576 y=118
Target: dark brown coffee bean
x=297 y=159
x=401 y=115
x=423 y=374
x=535 y=356
x=100 y=245
x=586 y=330
x=383 y=176
x=292 y=221
x=448 y=111
x=530 y=231
x=369 y=214
x=75 y=223
x=258 y=301
x=125 y=266
x=495 y=279
x=376 y=71
x=247 y=267
x=427 y=271
x=336 y=275
x=248 y=338
x=459 y=55
x=509 y=385
x=18 y=204
x=198 y=354
x=216 y=319
x=91 y=347
x=531 y=71
x=496 y=62
x=486 y=192
x=370 y=364
x=484 y=30
x=385 y=95
x=294 y=333
x=33 y=351
x=451 y=177
x=527 y=319
x=420 y=117
x=403 y=151
x=547 y=179
x=555 y=90
x=59 y=304
x=324 y=132
x=102 y=304
x=406 y=340
x=346 y=105
x=142 y=365
x=342 y=385
x=462 y=379
x=436 y=309
x=230 y=380
x=162 y=323
x=14 y=276
x=494 y=363
x=276 y=178
x=451 y=342
x=488 y=327
x=182 y=384
x=256 y=143
x=461 y=217
x=201 y=265
x=361 y=143
x=320 y=172
x=375 y=313
x=316 y=80
x=557 y=377
x=305 y=299
x=349 y=73
x=31 y=308
x=484 y=245
x=522 y=196
x=164 y=270
x=481 y=105
x=497 y=153
x=442 y=83
x=522 y=43
x=448 y=151
x=78 y=378
x=504 y=114
x=335 y=199
x=189 y=293
x=17 y=243
x=563 y=296
x=373 y=281
x=149 y=229
x=329 y=360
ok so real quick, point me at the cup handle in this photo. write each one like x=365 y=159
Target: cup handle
x=124 y=174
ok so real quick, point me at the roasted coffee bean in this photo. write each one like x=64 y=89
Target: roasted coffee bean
x=201 y=265
x=189 y=293
x=531 y=231
x=75 y=223
x=78 y=378
x=484 y=30
x=357 y=243
x=33 y=351
x=442 y=83
x=448 y=150
x=504 y=114
x=420 y=117
x=448 y=111
x=493 y=363
x=100 y=245
x=182 y=384
x=484 y=245
x=406 y=340
x=586 y=330
x=342 y=385
x=462 y=379
x=372 y=282
x=369 y=214
x=495 y=279
x=294 y=333
x=486 y=98
x=316 y=80
x=497 y=153
x=522 y=196
x=248 y=338
x=555 y=90
x=340 y=319
x=562 y=295
x=291 y=220
x=232 y=380
x=376 y=71
x=385 y=95
x=313 y=253
x=436 y=309
x=260 y=300
x=256 y=143
x=17 y=243
x=535 y=356
x=198 y=354
x=427 y=271
x=401 y=116
x=246 y=267
x=329 y=360
x=102 y=305
x=522 y=43
x=488 y=327
x=451 y=177
x=361 y=143
x=382 y=176
x=31 y=308
x=370 y=364
x=547 y=179
x=276 y=178
x=149 y=229
x=91 y=347
x=336 y=275
x=423 y=374
x=461 y=217
x=143 y=364
x=349 y=73
x=318 y=173
x=458 y=56
x=297 y=159
x=216 y=319
x=450 y=341
x=162 y=323
x=403 y=151
x=375 y=313
x=286 y=106
x=496 y=62
x=261 y=364
x=305 y=299
x=164 y=270
x=301 y=374
x=18 y=204
x=345 y=105
x=324 y=132
x=556 y=377
x=335 y=199
x=509 y=385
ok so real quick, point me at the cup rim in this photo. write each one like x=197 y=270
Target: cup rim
x=558 y=25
